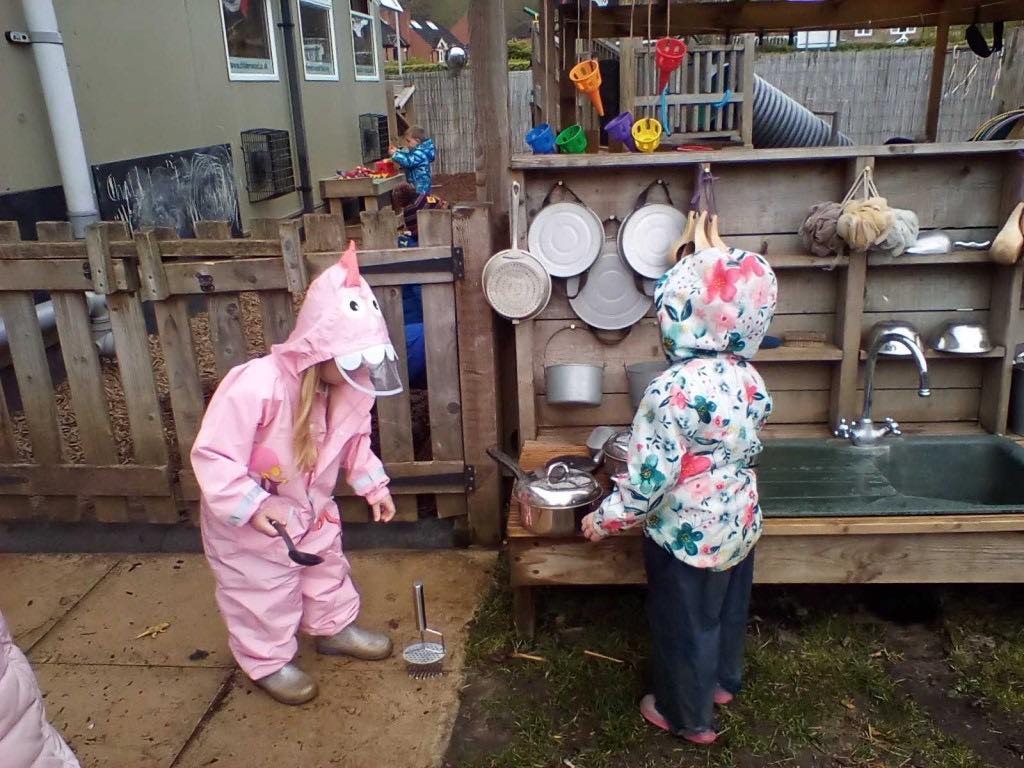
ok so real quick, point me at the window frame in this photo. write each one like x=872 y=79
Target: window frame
x=252 y=77
x=375 y=77
x=863 y=33
x=327 y=5
x=898 y=31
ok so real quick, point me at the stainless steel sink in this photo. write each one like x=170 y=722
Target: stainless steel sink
x=909 y=476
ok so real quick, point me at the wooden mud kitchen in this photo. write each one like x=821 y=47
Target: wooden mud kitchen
x=938 y=498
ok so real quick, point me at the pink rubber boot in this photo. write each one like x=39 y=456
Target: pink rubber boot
x=723 y=697
x=653 y=716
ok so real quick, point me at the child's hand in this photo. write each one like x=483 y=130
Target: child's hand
x=273 y=509
x=383 y=510
x=591 y=530
x=392 y=149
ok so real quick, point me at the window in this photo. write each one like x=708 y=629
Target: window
x=432 y=25
x=903 y=30
x=249 y=39
x=316 y=25
x=415 y=24
x=863 y=32
x=364 y=46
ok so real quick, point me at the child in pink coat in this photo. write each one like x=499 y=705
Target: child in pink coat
x=27 y=740
x=275 y=436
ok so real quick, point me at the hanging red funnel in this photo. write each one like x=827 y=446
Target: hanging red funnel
x=668 y=55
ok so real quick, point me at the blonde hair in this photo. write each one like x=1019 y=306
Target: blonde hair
x=416 y=132
x=302 y=439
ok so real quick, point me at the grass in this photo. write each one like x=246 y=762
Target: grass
x=986 y=641
x=818 y=689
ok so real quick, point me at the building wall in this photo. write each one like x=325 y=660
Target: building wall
x=877 y=35
x=151 y=77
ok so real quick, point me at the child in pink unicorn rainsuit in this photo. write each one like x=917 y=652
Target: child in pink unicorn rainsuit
x=27 y=740
x=273 y=440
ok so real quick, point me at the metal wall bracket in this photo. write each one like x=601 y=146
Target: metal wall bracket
x=205 y=283
x=458 y=262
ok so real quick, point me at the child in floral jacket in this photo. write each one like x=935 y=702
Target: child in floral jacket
x=691 y=486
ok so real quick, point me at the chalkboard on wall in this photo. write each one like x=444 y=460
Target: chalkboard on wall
x=175 y=189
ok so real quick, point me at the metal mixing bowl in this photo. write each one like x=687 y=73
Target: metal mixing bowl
x=963 y=339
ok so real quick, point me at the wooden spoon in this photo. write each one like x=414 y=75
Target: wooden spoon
x=713 y=236
x=700 y=235
x=1007 y=244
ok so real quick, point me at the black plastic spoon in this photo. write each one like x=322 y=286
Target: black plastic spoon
x=302 y=558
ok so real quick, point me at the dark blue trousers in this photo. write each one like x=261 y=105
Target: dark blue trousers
x=698 y=621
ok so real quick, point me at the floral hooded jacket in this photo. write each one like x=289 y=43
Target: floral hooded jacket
x=695 y=434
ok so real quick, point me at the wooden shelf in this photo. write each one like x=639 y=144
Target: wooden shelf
x=606 y=160
x=806 y=261
x=913 y=260
x=995 y=353
x=784 y=354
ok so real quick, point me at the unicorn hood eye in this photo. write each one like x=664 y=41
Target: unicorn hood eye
x=341 y=320
x=714 y=302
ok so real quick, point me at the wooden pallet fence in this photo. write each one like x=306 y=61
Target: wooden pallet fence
x=65 y=463
x=216 y=301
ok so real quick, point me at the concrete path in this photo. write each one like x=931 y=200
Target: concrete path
x=177 y=700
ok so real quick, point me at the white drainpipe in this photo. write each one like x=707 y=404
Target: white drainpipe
x=48 y=50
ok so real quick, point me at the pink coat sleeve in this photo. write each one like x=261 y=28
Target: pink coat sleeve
x=220 y=455
x=363 y=470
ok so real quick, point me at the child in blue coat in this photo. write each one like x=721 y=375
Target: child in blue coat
x=416 y=158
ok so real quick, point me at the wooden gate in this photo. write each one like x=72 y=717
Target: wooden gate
x=110 y=441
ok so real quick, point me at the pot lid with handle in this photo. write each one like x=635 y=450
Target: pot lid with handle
x=617 y=446
x=559 y=486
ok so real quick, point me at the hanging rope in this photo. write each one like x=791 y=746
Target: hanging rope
x=545 y=52
x=632 y=7
x=579 y=18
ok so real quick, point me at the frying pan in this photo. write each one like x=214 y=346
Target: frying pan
x=515 y=284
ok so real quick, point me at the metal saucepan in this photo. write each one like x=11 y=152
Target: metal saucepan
x=553 y=501
x=615 y=453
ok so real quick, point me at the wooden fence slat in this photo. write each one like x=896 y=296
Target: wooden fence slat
x=184 y=382
x=276 y=307
x=226 y=332
x=85 y=378
x=225 y=312
x=440 y=334
x=394 y=414
x=35 y=385
x=144 y=419
x=32 y=372
x=278 y=316
x=100 y=481
x=13 y=508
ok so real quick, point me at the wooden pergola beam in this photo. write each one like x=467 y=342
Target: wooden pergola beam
x=781 y=15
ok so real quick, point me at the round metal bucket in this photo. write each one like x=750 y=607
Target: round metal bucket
x=639 y=375
x=579 y=384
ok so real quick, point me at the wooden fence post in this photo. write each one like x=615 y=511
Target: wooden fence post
x=478 y=372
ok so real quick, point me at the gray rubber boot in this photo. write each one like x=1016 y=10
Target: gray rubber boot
x=289 y=685
x=356 y=642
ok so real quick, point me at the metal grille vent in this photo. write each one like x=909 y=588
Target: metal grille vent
x=373 y=131
x=268 y=163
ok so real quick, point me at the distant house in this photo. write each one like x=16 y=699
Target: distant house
x=390 y=39
x=891 y=35
x=431 y=41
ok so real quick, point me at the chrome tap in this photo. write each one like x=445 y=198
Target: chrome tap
x=864 y=431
